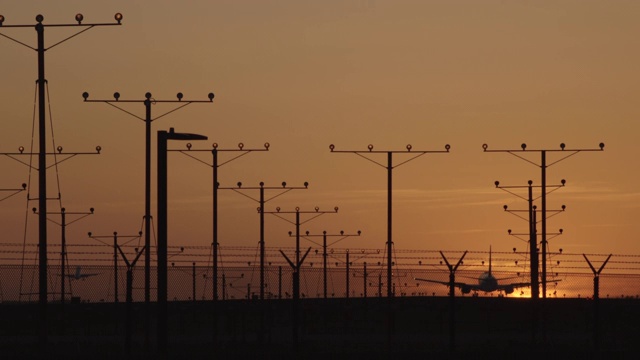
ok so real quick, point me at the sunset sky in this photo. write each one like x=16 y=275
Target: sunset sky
x=302 y=75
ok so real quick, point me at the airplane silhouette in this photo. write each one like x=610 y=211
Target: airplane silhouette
x=79 y=275
x=486 y=282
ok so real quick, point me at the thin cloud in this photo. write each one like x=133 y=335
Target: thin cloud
x=460 y=231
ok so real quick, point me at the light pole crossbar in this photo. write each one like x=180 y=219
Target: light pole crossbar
x=261 y=201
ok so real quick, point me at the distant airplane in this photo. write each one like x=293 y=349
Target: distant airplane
x=486 y=282
x=79 y=275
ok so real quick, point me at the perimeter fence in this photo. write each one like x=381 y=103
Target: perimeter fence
x=94 y=276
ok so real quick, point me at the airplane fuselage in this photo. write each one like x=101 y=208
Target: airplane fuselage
x=487 y=282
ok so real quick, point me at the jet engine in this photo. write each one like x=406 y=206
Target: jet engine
x=467 y=289
x=508 y=289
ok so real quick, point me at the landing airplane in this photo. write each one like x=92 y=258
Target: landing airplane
x=486 y=282
x=79 y=275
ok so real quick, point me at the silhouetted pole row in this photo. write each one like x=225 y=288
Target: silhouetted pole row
x=350 y=261
x=341 y=236
x=215 y=184
x=543 y=165
x=194 y=276
x=42 y=163
x=295 y=266
x=261 y=202
x=163 y=138
x=533 y=246
x=389 y=166
x=115 y=254
x=63 y=238
x=533 y=238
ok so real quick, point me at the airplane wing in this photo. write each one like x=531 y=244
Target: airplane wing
x=513 y=286
x=466 y=288
x=80 y=276
x=509 y=288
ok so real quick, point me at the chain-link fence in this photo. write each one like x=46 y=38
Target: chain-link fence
x=102 y=279
x=88 y=311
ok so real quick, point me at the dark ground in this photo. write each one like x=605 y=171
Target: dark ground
x=408 y=328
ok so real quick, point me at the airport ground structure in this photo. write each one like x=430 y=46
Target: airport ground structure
x=190 y=273
x=102 y=318
x=338 y=328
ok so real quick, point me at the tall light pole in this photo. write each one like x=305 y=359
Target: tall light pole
x=341 y=236
x=240 y=151
x=163 y=138
x=42 y=143
x=533 y=237
x=543 y=165
x=389 y=166
x=148 y=119
x=262 y=201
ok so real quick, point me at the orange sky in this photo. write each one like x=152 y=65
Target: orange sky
x=305 y=74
